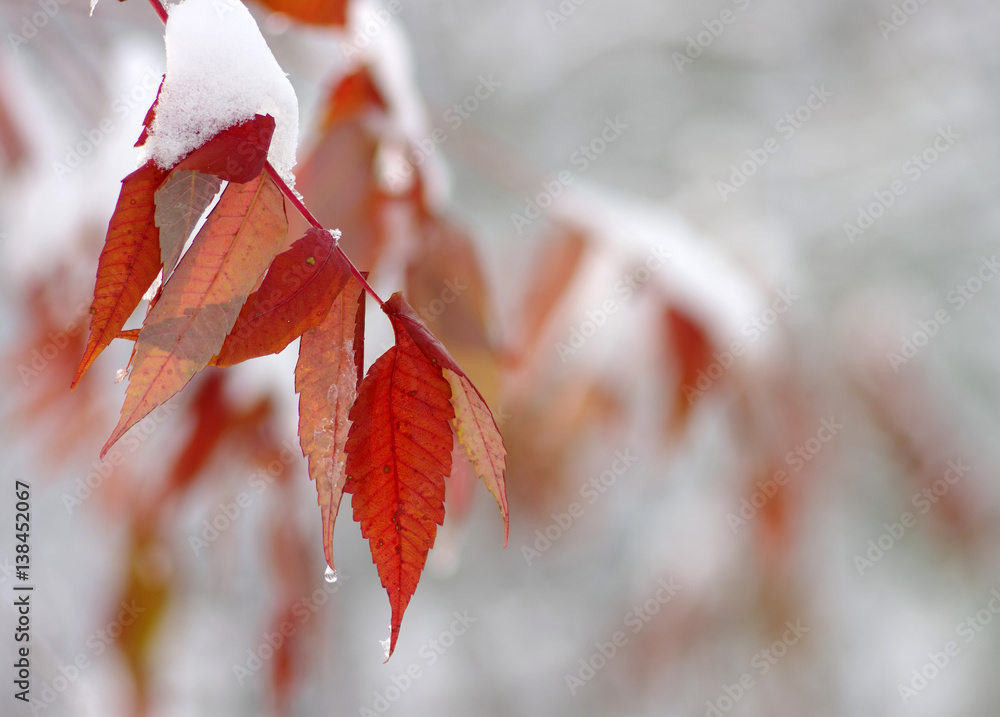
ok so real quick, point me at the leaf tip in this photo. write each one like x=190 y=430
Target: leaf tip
x=88 y=358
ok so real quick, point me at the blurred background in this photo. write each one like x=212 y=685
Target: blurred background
x=724 y=272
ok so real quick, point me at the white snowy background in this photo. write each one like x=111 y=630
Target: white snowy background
x=887 y=96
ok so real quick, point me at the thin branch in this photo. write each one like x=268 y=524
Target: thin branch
x=307 y=215
x=160 y=10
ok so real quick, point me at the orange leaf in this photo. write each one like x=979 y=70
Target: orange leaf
x=12 y=137
x=474 y=423
x=294 y=297
x=478 y=432
x=129 y=262
x=201 y=300
x=446 y=287
x=331 y=359
x=558 y=267
x=398 y=453
x=314 y=12
x=691 y=348
x=180 y=203
x=355 y=95
x=149 y=589
x=237 y=153
x=339 y=175
x=444 y=279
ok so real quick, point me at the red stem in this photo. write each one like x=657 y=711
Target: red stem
x=161 y=12
x=307 y=215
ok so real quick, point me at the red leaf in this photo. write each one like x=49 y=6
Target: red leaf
x=398 y=453
x=210 y=417
x=237 y=153
x=476 y=428
x=294 y=297
x=314 y=12
x=150 y=116
x=331 y=359
x=129 y=262
x=201 y=300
